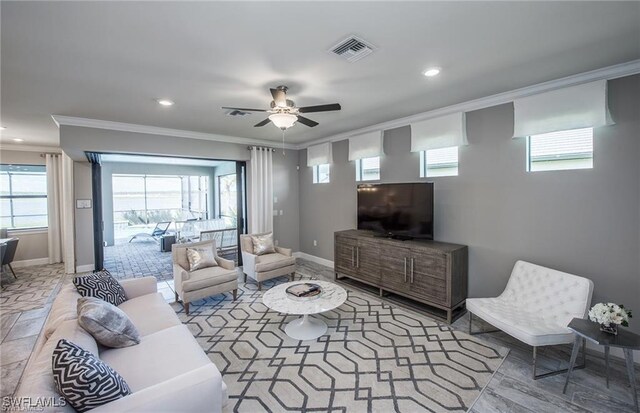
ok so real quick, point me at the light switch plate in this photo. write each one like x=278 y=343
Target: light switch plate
x=83 y=203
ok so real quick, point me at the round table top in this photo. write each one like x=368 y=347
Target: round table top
x=332 y=296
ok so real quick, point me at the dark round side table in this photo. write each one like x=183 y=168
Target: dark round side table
x=625 y=340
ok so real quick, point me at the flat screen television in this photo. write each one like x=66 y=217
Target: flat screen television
x=402 y=211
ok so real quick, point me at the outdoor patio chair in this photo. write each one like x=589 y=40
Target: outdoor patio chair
x=226 y=239
x=159 y=230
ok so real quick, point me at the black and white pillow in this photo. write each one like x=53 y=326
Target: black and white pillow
x=101 y=285
x=84 y=380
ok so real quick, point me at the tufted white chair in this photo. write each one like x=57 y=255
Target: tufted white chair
x=536 y=306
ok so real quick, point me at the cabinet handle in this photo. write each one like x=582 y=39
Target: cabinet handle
x=353 y=256
x=358 y=257
x=405 y=269
x=411 y=270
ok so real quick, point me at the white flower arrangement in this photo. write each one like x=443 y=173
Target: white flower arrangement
x=607 y=314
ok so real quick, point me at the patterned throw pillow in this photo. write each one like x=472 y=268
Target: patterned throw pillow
x=101 y=285
x=200 y=258
x=84 y=380
x=108 y=324
x=263 y=244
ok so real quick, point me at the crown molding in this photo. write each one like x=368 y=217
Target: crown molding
x=606 y=73
x=29 y=148
x=61 y=120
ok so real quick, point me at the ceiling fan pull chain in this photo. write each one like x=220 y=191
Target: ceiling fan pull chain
x=283 y=154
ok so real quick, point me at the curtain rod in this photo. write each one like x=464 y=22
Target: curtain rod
x=262 y=148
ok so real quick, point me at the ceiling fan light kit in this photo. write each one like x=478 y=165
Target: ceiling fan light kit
x=283 y=120
x=284 y=113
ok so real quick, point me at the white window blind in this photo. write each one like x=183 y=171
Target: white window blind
x=367 y=145
x=575 y=107
x=319 y=154
x=571 y=149
x=442 y=132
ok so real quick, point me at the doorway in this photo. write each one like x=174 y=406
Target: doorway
x=147 y=203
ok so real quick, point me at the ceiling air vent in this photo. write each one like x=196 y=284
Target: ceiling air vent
x=352 y=49
x=236 y=112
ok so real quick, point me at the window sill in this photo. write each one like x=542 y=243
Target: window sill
x=26 y=231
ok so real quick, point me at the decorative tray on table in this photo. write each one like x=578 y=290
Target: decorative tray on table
x=303 y=291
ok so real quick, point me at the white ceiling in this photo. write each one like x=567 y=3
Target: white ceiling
x=109 y=60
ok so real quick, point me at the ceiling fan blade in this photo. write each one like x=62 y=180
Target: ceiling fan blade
x=264 y=122
x=245 y=109
x=320 y=108
x=279 y=97
x=306 y=121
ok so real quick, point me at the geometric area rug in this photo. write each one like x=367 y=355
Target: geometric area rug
x=375 y=357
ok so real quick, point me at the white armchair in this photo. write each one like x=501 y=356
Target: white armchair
x=267 y=266
x=194 y=285
x=535 y=307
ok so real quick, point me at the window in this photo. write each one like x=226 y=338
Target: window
x=321 y=174
x=368 y=169
x=570 y=149
x=23 y=195
x=228 y=198
x=439 y=162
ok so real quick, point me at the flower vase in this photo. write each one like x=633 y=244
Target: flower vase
x=610 y=329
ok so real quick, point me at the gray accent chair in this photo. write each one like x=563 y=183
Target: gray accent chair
x=205 y=282
x=267 y=266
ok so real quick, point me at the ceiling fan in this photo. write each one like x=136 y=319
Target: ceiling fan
x=284 y=113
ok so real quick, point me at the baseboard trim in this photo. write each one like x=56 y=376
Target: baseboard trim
x=30 y=263
x=85 y=268
x=313 y=258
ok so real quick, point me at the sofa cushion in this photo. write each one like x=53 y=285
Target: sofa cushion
x=84 y=380
x=37 y=381
x=101 y=285
x=208 y=277
x=62 y=309
x=150 y=313
x=263 y=243
x=109 y=325
x=159 y=356
x=273 y=261
x=201 y=258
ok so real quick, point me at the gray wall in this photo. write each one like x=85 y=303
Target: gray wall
x=33 y=244
x=584 y=222
x=75 y=140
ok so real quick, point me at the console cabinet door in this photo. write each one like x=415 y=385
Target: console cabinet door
x=428 y=276
x=368 y=261
x=394 y=268
x=345 y=255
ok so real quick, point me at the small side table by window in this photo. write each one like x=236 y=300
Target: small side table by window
x=626 y=340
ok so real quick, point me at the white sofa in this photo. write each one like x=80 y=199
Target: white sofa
x=536 y=306
x=167 y=372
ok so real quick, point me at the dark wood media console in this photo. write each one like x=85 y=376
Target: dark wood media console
x=430 y=272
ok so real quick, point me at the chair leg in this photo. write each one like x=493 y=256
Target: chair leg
x=186 y=308
x=535 y=376
x=176 y=294
x=245 y=278
x=235 y=294
x=259 y=286
x=12 y=272
x=292 y=276
x=473 y=333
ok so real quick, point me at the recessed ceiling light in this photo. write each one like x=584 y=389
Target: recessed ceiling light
x=165 y=102
x=431 y=72
x=18 y=140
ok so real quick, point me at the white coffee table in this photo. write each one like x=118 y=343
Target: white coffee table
x=305 y=327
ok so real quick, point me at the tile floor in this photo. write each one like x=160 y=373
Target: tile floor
x=510 y=390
